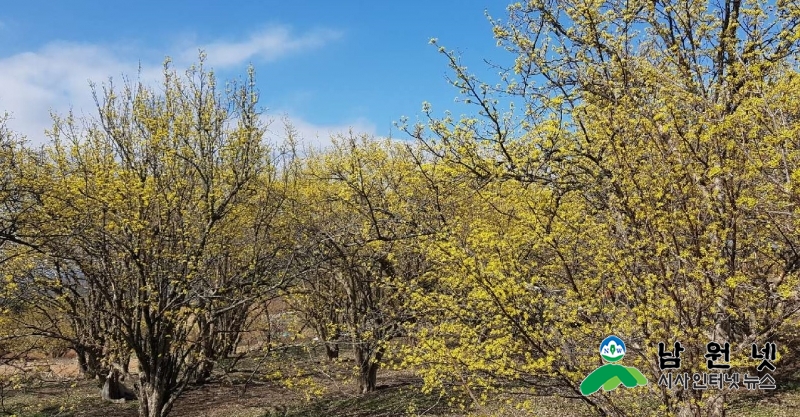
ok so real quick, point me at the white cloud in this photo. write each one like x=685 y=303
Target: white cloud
x=52 y=79
x=319 y=136
x=56 y=77
x=266 y=45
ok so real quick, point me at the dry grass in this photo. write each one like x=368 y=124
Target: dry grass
x=257 y=389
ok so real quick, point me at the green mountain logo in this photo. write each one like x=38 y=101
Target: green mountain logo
x=610 y=375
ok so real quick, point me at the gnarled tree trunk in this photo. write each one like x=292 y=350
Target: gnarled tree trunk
x=368 y=364
x=89 y=362
x=154 y=401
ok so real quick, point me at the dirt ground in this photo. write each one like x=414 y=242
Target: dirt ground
x=257 y=389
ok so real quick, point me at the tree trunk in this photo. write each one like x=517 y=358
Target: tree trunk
x=332 y=350
x=368 y=368
x=204 y=372
x=687 y=410
x=367 y=378
x=716 y=405
x=125 y=363
x=89 y=362
x=206 y=336
x=82 y=365
x=219 y=340
x=153 y=400
x=331 y=342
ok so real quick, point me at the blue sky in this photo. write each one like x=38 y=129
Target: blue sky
x=327 y=65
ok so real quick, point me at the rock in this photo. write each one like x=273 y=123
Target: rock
x=115 y=391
